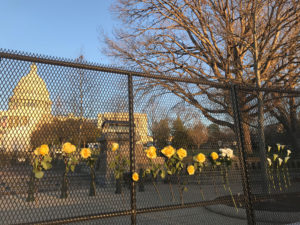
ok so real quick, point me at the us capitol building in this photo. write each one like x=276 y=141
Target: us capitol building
x=30 y=106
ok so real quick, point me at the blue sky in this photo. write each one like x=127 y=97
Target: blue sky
x=62 y=28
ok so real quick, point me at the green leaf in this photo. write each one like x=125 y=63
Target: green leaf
x=185 y=189
x=39 y=174
x=72 y=167
x=163 y=174
x=47 y=158
x=169 y=172
x=46 y=165
x=173 y=170
x=36 y=163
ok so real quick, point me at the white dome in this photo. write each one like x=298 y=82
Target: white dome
x=31 y=88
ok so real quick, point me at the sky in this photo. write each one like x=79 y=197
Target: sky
x=62 y=28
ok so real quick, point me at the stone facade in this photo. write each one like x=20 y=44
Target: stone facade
x=140 y=121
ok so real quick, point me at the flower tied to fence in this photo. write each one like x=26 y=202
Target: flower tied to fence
x=199 y=163
x=154 y=168
x=277 y=169
x=191 y=170
x=69 y=157
x=119 y=165
x=224 y=161
x=173 y=166
x=70 y=160
x=40 y=161
x=135 y=177
x=91 y=156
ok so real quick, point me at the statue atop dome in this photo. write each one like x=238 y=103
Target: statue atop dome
x=33 y=68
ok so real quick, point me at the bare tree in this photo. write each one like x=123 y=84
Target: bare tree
x=235 y=41
x=81 y=95
x=198 y=134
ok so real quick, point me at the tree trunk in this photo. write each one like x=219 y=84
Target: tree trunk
x=247 y=139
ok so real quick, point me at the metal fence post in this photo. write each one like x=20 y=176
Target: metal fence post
x=132 y=151
x=242 y=155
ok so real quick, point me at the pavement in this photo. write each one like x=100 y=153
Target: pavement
x=48 y=206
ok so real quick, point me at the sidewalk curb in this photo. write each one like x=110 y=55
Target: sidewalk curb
x=261 y=216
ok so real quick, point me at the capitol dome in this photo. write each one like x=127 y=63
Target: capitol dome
x=31 y=92
x=29 y=106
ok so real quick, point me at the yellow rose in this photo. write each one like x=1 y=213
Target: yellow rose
x=214 y=155
x=200 y=158
x=181 y=153
x=37 y=151
x=44 y=150
x=151 y=152
x=168 y=151
x=135 y=176
x=68 y=148
x=114 y=146
x=191 y=169
x=85 y=153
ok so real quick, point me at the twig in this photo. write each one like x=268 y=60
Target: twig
x=171 y=190
x=180 y=190
x=157 y=191
x=201 y=191
x=278 y=177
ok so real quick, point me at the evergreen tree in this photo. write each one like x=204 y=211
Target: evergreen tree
x=161 y=133
x=180 y=135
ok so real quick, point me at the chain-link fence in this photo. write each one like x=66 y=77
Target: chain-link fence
x=76 y=146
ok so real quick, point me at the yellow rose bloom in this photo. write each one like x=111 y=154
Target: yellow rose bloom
x=44 y=150
x=200 y=158
x=37 y=151
x=135 y=176
x=168 y=151
x=191 y=169
x=85 y=153
x=151 y=152
x=181 y=153
x=214 y=155
x=114 y=146
x=68 y=148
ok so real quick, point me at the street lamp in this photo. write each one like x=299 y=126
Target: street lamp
x=220 y=143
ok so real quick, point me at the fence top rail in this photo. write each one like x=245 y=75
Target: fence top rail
x=57 y=61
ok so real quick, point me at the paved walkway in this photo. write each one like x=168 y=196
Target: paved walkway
x=14 y=209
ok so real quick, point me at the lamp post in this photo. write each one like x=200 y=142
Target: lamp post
x=220 y=143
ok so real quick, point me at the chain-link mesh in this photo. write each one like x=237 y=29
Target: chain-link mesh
x=81 y=111
x=271 y=137
x=47 y=104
